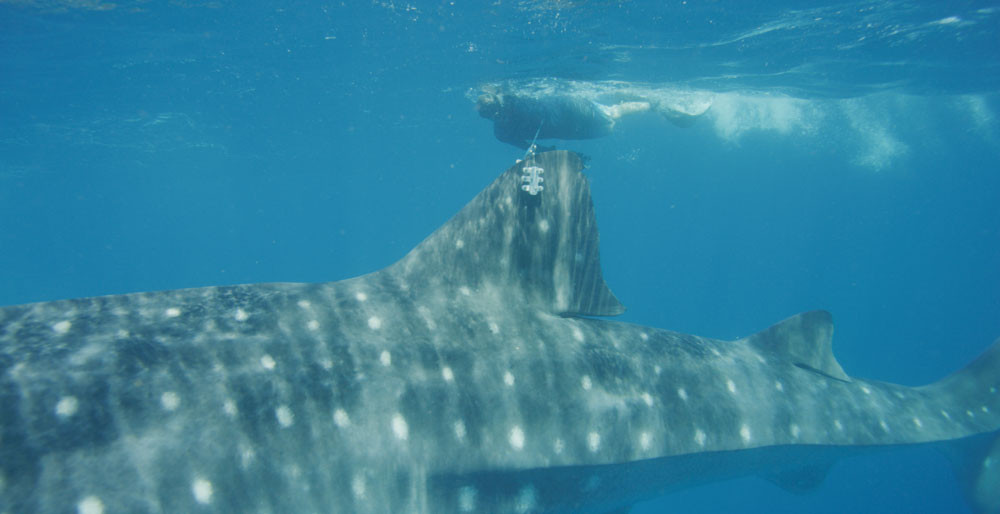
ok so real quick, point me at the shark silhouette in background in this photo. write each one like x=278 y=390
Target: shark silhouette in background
x=467 y=377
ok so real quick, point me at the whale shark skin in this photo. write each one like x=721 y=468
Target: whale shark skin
x=467 y=377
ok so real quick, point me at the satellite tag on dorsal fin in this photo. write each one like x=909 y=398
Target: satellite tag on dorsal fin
x=538 y=243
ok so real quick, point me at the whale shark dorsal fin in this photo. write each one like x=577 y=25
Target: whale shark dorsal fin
x=538 y=247
x=806 y=340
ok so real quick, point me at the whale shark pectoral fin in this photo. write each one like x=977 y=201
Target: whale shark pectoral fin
x=800 y=480
x=806 y=340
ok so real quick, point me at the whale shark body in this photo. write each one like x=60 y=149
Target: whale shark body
x=467 y=377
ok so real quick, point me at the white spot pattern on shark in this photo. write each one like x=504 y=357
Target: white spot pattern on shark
x=395 y=391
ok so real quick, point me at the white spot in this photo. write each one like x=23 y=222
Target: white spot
x=361 y=297
x=304 y=304
x=285 y=416
x=229 y=407
x=465 y=291
x=970 y=414
x=61 y=328
x=645 y=440
x=241 y=315
x=745 y=434
x=760 y=359
x=700 y=437
x=247 y=456
x=993 y=390
x=173 y=312
x=426 y=314
x=644 y=336
x=866 y=390
x=945 y=414
x=543 y=225
x=918 y=423
x=985 y=409
x=716 y=352
x=731 y=386
x=516 y=438
x=883 y=424
x=682 y=394
x=67 y=406
x=558 y=446
x=467 y=499
x=593 y=441
x=795 y=430
x=657 y=369
x=399 y=427
x=358 y=486
x=525 y=500
x=313 y=324
x=385 y=358
x=202 y=491
x=838 y=424
x=170 y=401
x=577 y=334
x=779 y=386
x=374 y=323
x=447 y=374
x=459 y=244
x=90 y=505
x=586 y=383
x=508 y=378
x=340 y=418
x=267 y=361
x=648 y=399
x=326 y=363
x=460 y=430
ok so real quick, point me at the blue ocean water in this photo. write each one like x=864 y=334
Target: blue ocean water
x=849 y=162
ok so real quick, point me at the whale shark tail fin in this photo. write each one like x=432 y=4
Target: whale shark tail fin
x=975 y=392
x=978 y=382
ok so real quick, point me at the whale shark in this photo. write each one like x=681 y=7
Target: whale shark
x=477 y=374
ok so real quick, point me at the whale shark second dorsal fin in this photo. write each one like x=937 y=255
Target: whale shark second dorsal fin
x=806 y=340
x=531 y=233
